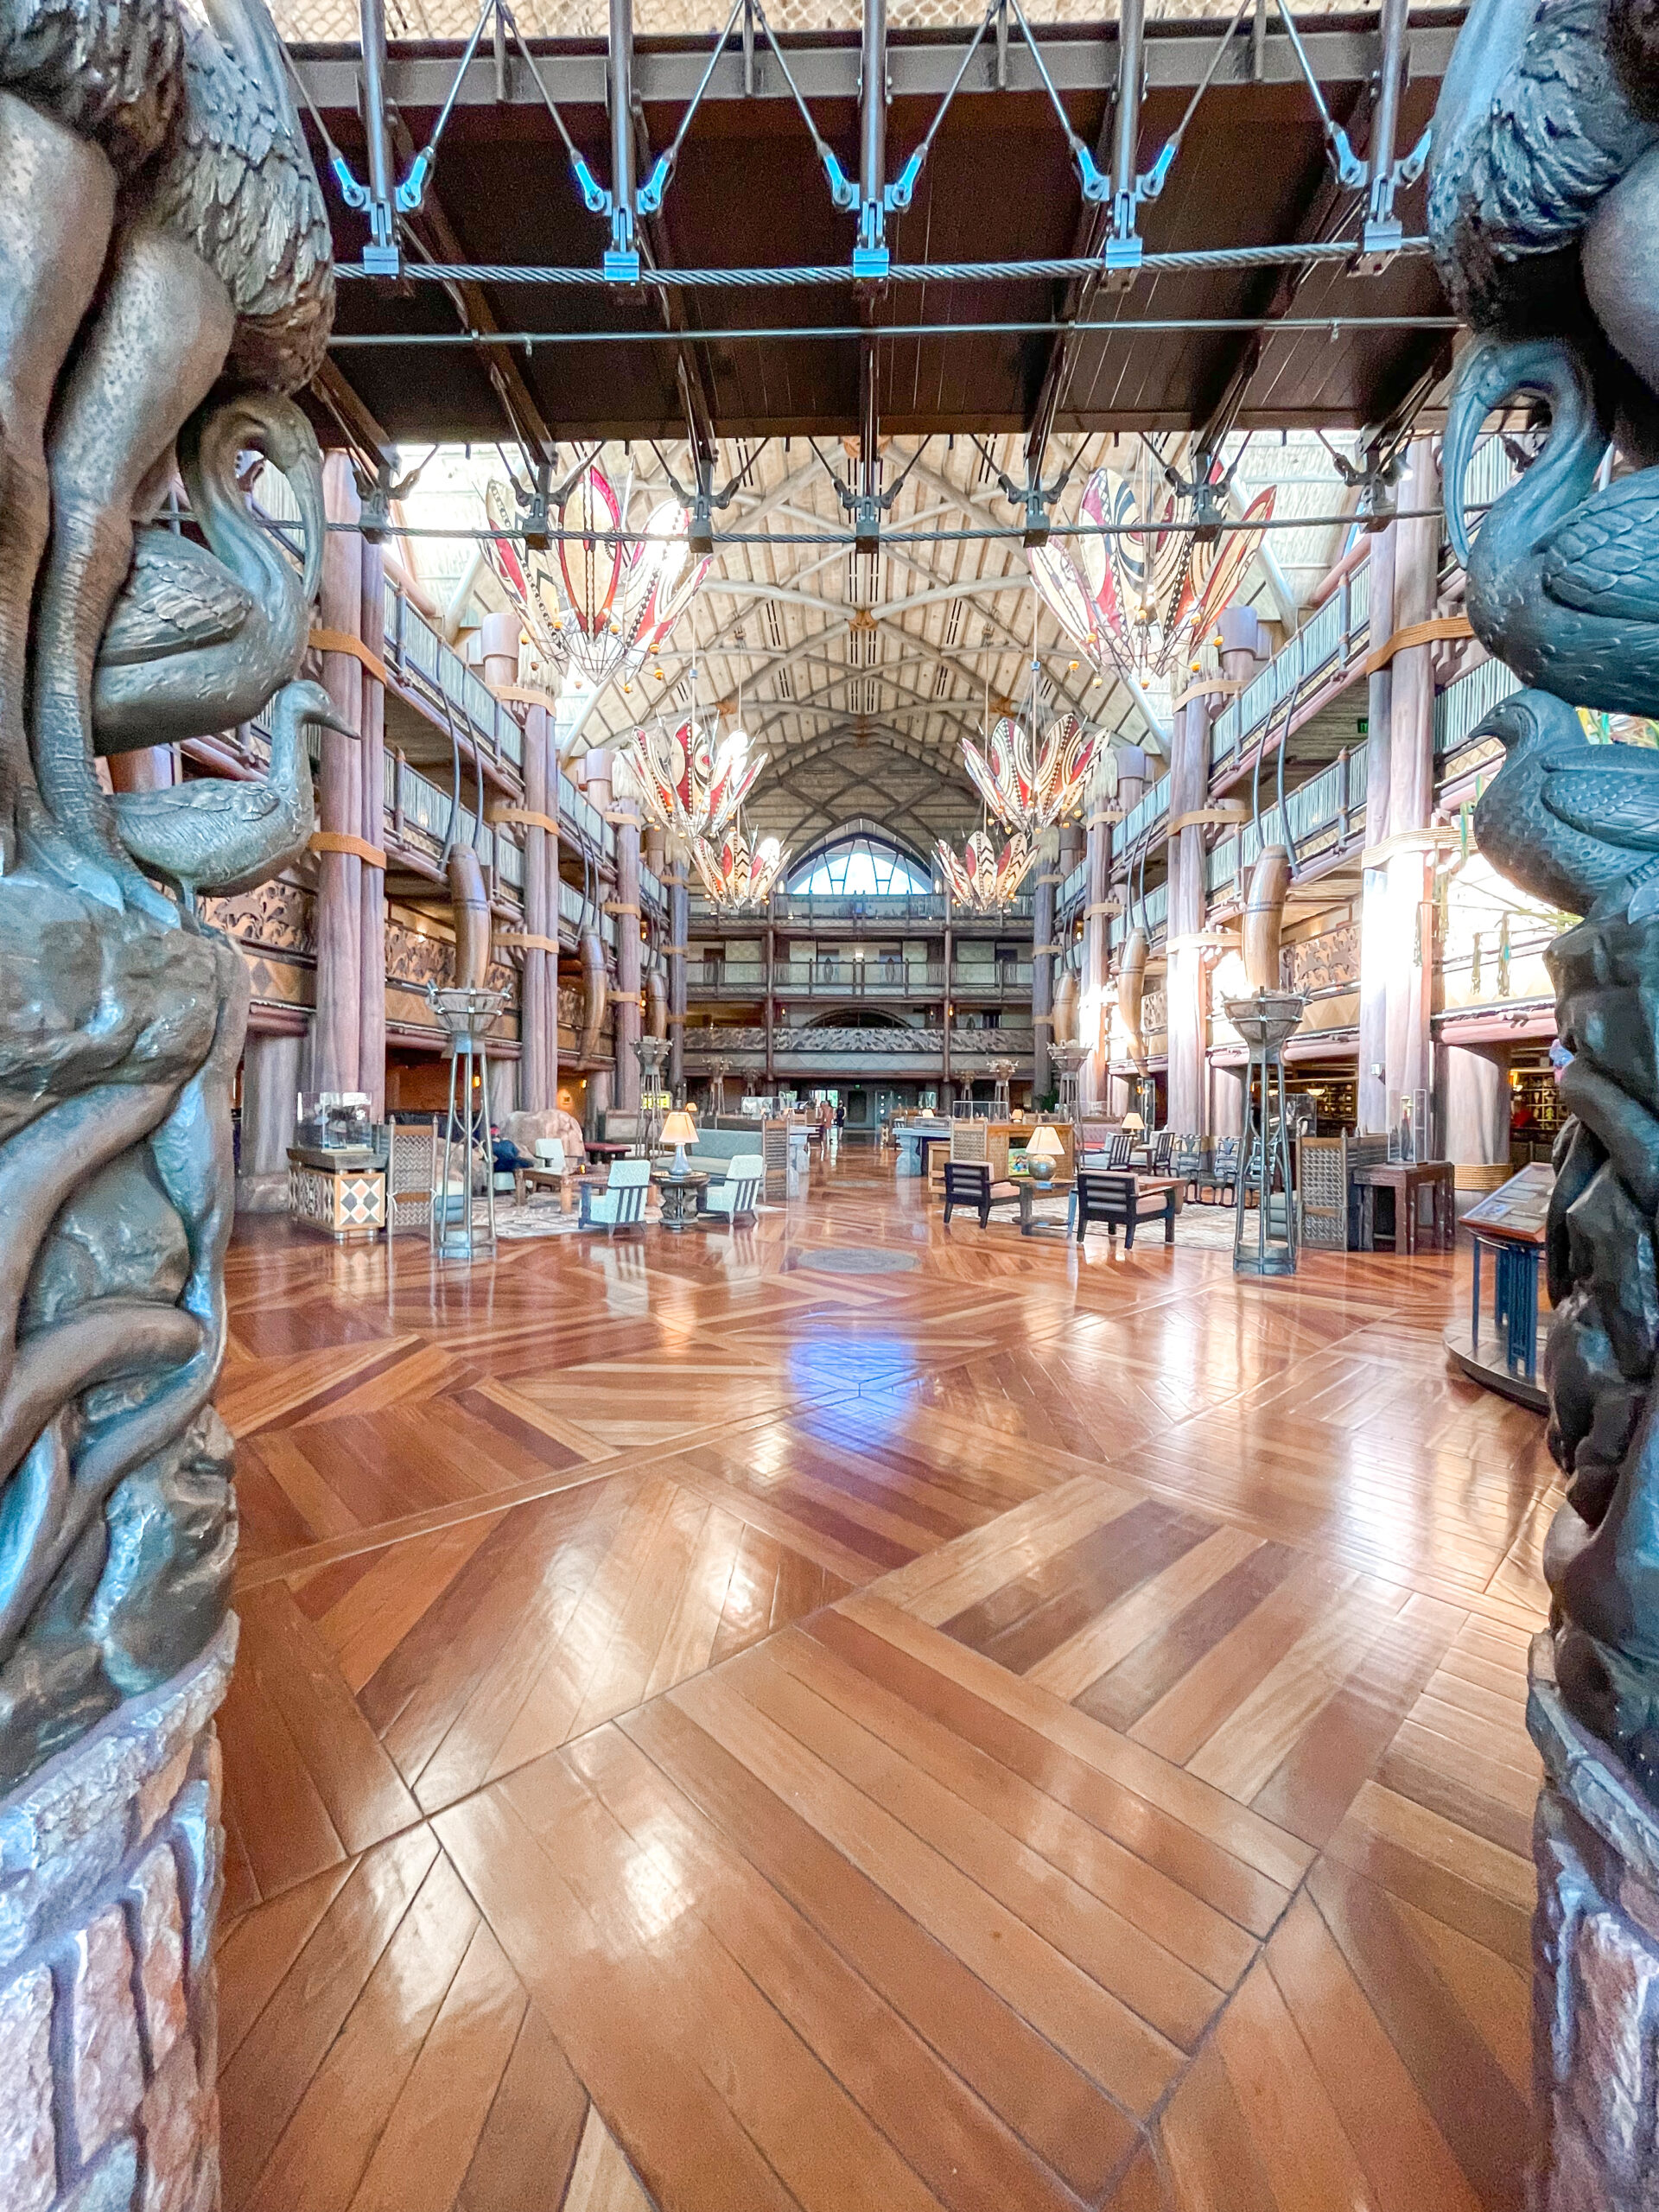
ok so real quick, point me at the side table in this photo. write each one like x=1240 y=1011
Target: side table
x=1408 y=1180
x=678 y=1194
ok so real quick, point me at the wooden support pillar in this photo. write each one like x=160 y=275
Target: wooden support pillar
x=1189 y=779
x=771 y=1016
x=538 y=1066
x=948 y=1082
x=625 y=815
x=1042 y=964
x=679 y=930
x=147 y=768
x=1374 y=951
x=372 y=779
x=1409 y=940
x=1095 y=993
x=336 y=1040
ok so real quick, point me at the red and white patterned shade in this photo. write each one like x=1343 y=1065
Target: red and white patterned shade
x=981 y=878
x=735 y=873
x=686 y=781
x=600 y=600
x=1031 y=788
x=1139 y=593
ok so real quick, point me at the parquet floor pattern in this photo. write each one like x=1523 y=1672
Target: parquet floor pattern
x=1037 y=1729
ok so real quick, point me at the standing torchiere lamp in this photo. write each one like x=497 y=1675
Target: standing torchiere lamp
x=467 y=1015
x=651 y=1052
x=1265 y=1022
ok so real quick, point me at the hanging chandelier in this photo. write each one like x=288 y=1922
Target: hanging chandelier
x=597 y=600
x=1141 y=592
x=735 y=874
x=687 y=782
x=1031 y=788
x=983 y=878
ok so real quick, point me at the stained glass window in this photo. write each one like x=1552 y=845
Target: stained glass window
x=860 y=867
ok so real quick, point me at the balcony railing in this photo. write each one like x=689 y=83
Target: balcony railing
x=413 y=648
x=1148 y=913
x=1073 y=889
x=574 y=910
x=1332 y=800
x=1329 y=640
x=585 y=819
x=859 y=906
x=1463 y=706
x=1150 y=812
x=732 y=1039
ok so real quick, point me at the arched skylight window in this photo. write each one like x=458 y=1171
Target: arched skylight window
x=860 y=867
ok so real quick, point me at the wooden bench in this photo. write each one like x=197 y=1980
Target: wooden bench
x=968 y=1183
x=1123 y=1201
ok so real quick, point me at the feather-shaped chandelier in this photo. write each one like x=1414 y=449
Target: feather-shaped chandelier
x=1032 y=787
x=687 y=782
x=598 y=601
x=734 y=873
x=982 y=879
x=1141 y=592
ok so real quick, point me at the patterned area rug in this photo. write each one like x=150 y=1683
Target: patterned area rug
x=859 y=1260
x=1209 y=1227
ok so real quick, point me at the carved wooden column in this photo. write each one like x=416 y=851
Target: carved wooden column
x=680 y=930
x=771 y=1005
x=1374 y=946
x=147 y=768
x=1189 y=779
x=1411 y=787
x=336 y=1038
x=625 y=814
x=539 y=1021
x=1042 y=963
x=372 y=780
x=1095 y=990
x=272 y=1076
x=1118 y=1095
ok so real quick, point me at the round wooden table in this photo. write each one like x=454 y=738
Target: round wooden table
x=675 y=1191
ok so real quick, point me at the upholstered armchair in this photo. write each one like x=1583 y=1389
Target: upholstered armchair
x=621 y=1203
x=734 y=1198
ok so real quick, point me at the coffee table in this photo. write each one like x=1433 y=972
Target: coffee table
x=1029 y=1191
x=526 y=1179
x=677 y=1192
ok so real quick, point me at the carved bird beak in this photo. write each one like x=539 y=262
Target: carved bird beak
x=1484 y=380
x=334 y=722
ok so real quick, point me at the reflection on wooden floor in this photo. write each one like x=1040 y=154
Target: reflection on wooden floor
x=1037 y=1730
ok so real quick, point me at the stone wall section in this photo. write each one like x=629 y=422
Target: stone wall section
x=111 y=1869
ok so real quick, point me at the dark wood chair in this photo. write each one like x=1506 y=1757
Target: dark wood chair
x=1118 y=1152
x=1118 y=1202
x=968 y=1183
x=1222 y=1174
x=1163 y=1149
x=1187 y=1165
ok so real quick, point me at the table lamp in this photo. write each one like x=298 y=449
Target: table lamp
x=1133 y=1122
x=679 y=1130
x=1043 y=1148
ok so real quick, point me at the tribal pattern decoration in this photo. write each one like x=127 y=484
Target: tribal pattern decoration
x=735 y=873
x=686 y=781
x=1032 y=789
x=600 y=601
x=1140 y=593
x=983 y=879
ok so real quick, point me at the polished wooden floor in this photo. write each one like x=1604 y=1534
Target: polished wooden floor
x=1033 y=1729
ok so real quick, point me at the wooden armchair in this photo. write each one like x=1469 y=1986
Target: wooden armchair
x=1118 y=1202
x=1222 y=1174
x=1119 y=1151
x=968 y=1183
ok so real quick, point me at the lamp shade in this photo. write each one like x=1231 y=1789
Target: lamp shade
x=1133 y=1123
x=678 y=1129
x=1045 y=1143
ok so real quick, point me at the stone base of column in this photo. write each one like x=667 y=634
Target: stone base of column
x=261 y=1193
x=1595 y=1967
x=111 y=1868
